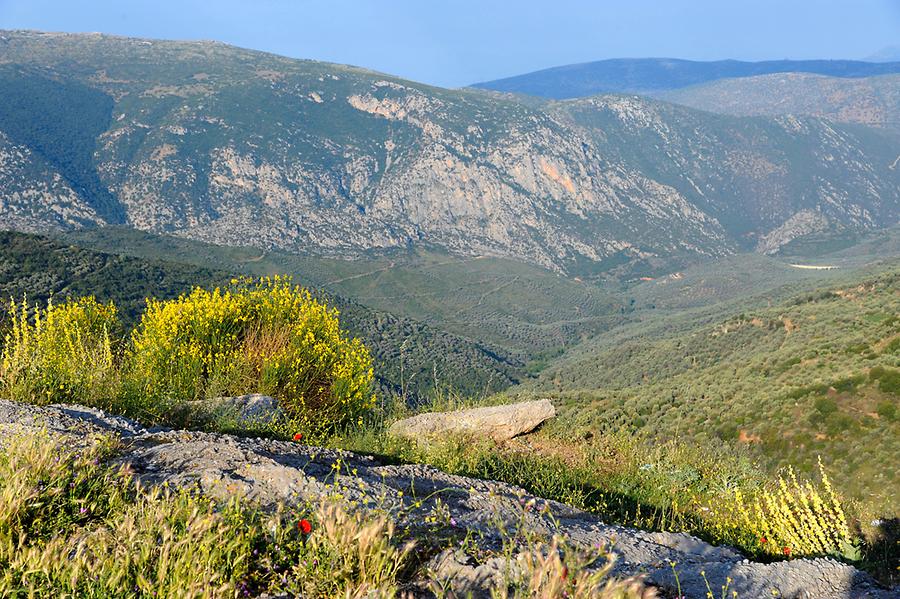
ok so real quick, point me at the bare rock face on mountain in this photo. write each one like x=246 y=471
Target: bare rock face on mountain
x=495 y=422
x=271 y=472
x=207 y=141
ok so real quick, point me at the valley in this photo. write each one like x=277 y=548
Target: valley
x=697 y=263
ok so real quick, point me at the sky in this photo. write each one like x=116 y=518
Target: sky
x=454 y=43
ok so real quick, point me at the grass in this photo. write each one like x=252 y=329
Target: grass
x=707 y=491
x=72 y=525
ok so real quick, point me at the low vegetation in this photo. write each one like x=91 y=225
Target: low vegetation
x=268 y=335
x=704 y=490
x=61 y=353
x=411 y=357
x=71 y=525
x=265 y=335
x=813 y=377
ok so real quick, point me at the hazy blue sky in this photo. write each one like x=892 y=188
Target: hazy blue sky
x=453 y=43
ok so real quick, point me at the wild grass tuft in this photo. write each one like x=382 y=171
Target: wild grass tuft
x=70 y=525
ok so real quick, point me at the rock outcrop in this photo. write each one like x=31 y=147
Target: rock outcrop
x=496 y=422
x=270 y=472
x=245 y=411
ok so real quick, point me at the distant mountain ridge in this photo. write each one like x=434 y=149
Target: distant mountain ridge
x=871 y=101
x=235 y=147
x=652 y=75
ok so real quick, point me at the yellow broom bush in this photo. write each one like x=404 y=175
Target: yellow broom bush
x=61 y=353
x=256 y=336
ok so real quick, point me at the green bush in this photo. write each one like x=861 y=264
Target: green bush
x=887 y=409
x=62 y=353
x=263 y=336
x=888 y=379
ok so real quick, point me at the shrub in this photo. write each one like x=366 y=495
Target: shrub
x=263 y=336
x=888 y=379
x=63 y=353
x=796 y=519
x=886 y=409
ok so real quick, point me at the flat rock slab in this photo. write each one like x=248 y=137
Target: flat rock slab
x=496 y=422
x=269 y=472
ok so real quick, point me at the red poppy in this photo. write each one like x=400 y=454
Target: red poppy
x=565 y=573
x=763 y=541
x=298 y=436
x=304 y=526
x=787 y=550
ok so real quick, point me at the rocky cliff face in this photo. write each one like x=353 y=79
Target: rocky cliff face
x=268 y=473
x=239 y=147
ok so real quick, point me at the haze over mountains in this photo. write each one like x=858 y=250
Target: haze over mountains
x=653 y=75
x=872 y=101
x=237 y=147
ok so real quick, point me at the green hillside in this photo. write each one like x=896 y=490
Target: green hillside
x=525 y=310
x=411 y=357
x=818 y=375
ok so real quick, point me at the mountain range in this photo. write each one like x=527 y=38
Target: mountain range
x=653 y=75
x=214 y=143
x=871 y=101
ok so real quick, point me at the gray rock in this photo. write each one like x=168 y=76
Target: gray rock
x=270 y=472
x=245 y=411
x=497 y=422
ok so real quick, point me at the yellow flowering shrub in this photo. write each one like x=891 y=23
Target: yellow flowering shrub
x=793 y=519
x=265 y=336
x=61 y=353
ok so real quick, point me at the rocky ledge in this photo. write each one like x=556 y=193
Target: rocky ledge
x=270 y=472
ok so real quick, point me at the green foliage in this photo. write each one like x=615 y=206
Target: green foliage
x=72 y=526
x=263 y=336
x=62 y=353
x=778 y=380
x=432 y=359
x=888 y=379
x=61 y=121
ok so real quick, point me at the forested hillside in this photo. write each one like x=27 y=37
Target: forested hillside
x=412 y=358
x=818 y=375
